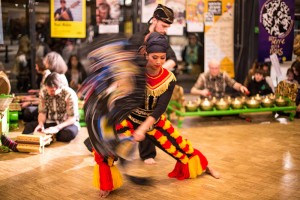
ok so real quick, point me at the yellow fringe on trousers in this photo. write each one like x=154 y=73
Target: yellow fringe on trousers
x=106 y=174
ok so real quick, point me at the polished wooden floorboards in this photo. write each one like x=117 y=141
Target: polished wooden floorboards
x=257 y=160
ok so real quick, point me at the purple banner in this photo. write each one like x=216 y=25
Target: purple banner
x=276 y=29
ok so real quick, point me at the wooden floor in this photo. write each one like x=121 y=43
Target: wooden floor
x=257 y=160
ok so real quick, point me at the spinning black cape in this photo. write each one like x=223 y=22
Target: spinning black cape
x=114 y=87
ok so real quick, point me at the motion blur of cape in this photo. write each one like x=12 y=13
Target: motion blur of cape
x=114 y=87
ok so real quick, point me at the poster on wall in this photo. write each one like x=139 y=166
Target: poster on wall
x=276 y=29
x=107 y=16
x=178 y=7
x=1 y=26
x=218 y=34
x=68 y=18
x=195 y=15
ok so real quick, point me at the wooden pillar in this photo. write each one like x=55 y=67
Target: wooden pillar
x=32 y=37
x=135 y=8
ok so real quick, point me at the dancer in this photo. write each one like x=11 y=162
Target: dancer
x=160 y=22
x=147 y=120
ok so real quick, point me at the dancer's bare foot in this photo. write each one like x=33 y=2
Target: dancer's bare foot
x=213 y=172
x=149 y=161
x=104 y=193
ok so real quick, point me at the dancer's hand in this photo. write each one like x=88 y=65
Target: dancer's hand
x=139 y=135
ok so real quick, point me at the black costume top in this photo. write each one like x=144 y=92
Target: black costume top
x=159 y=90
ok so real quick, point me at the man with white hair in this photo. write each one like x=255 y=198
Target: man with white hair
x=214 y=82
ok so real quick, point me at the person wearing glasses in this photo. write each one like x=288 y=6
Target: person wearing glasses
x=63 y=13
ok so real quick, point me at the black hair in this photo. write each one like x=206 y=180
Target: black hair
x=290 y=70
x=156 y=42
x=260 y=71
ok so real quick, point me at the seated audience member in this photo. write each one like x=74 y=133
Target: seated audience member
x=267 y=72
x=58 y=110
x=258 y=85
x=288 y=87
x=265 y=67
x=52 y=62
x=55 y=63
x=21 y=68
x=214 y=82
x=42 y=71
x=296 y=69
x=192 y=55
x=58 y=113
x=76 y=73
x=296 y=46
x=251 y=72
x=29 y=105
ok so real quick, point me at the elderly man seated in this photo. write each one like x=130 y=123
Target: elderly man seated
x=214 y=82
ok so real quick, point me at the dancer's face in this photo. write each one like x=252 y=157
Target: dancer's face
x=155 y=60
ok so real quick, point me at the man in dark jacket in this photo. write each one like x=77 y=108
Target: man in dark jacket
x=160 y=22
